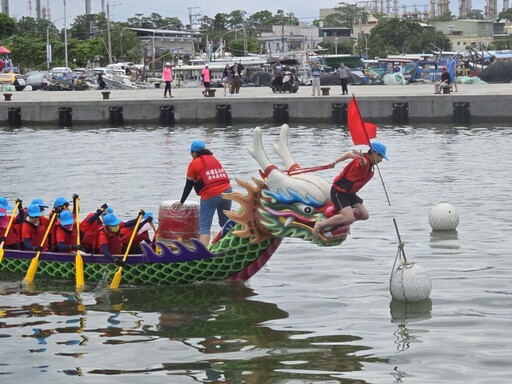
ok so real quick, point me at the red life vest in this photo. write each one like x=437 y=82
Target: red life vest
x=113 y=240
x=35 y=232
x=12 y=236
x=89 y=231
x=354 y=176
x=64 y=236
x=126 y=234
x=213 y=174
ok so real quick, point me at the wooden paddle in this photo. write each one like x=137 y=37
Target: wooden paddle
x=8 y=228
x=79 y=262
x=155 y=231
x=117 y=277
x=29 y=278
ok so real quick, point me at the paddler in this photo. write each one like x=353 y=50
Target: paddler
x=33 y=229
x=108 y=241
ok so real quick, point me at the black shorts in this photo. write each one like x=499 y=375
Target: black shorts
x=206 y=84
x=342 y=200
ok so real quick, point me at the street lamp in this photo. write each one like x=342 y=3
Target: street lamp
x=234 y=30
x=48 y=46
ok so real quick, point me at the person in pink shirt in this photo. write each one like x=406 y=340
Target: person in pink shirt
x=205 y=78
x=167 y=75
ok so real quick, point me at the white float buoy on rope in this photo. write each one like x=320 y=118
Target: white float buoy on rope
x=443 y=217
x=409 y=281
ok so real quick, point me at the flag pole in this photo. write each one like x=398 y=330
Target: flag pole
x=370 y=145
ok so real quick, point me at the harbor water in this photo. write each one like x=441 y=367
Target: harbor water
x=311 y=315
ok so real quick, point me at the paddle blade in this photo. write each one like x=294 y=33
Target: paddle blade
x=117 y=279
x=79 y=264
x=32 y=269
x=1 y=253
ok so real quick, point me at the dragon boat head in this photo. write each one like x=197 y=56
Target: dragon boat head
x=284 y=203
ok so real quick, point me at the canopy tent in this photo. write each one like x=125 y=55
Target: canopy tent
x=4 y=51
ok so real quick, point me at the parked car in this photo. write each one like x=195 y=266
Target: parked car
x=62 y=75
x=13 y=79
x=37 y=79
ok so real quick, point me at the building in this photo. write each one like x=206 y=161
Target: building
x=286 y=38
x=477 y=34
x=161 y=43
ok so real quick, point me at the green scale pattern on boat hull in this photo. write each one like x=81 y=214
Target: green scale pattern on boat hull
x=234 y=254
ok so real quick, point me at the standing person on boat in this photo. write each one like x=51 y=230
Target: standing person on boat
x=343 y=73
x=345 y=186
x=226 y=79
x=66 y=235
x=90 y=226
x=33 y=229
x=167 y=76
x=315 y=74
x=210 y=180
x=206 y=76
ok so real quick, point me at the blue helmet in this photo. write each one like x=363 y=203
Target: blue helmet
x=4 y=203
x=380 y=149
x=66 y=218
x=39 y=202
x=33 y=210
x=197 y=146
x=111 y=219
x=59 y=202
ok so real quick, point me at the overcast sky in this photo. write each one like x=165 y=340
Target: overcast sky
x=120 y=10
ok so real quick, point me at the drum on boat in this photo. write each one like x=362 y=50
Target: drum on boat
x=178 y=223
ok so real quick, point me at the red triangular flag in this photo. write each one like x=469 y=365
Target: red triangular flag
x=360 y=131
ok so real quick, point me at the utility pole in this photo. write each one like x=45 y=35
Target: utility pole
x=109 y=38
x=65 y=36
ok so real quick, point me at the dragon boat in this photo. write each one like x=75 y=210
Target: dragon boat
x=284 y=203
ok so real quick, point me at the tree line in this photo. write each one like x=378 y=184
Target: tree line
x=87 y=35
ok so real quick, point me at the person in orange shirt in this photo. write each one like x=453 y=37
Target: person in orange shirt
x=210 y=180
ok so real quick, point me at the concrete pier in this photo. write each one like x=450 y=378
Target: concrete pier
x=384 y=104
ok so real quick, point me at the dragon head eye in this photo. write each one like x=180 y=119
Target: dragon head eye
x=305 y=209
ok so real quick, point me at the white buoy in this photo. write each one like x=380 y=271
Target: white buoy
x=410 y=282
x=443 y=217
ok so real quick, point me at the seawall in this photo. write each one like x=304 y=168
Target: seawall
x=383 y=104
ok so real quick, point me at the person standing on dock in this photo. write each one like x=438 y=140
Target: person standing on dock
x=237 y=78
x=205 y=78
x=210 y=180
x=167 y=75
x=315 y=74
x=343 y=73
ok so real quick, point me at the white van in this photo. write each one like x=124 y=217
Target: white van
x=117 y=69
